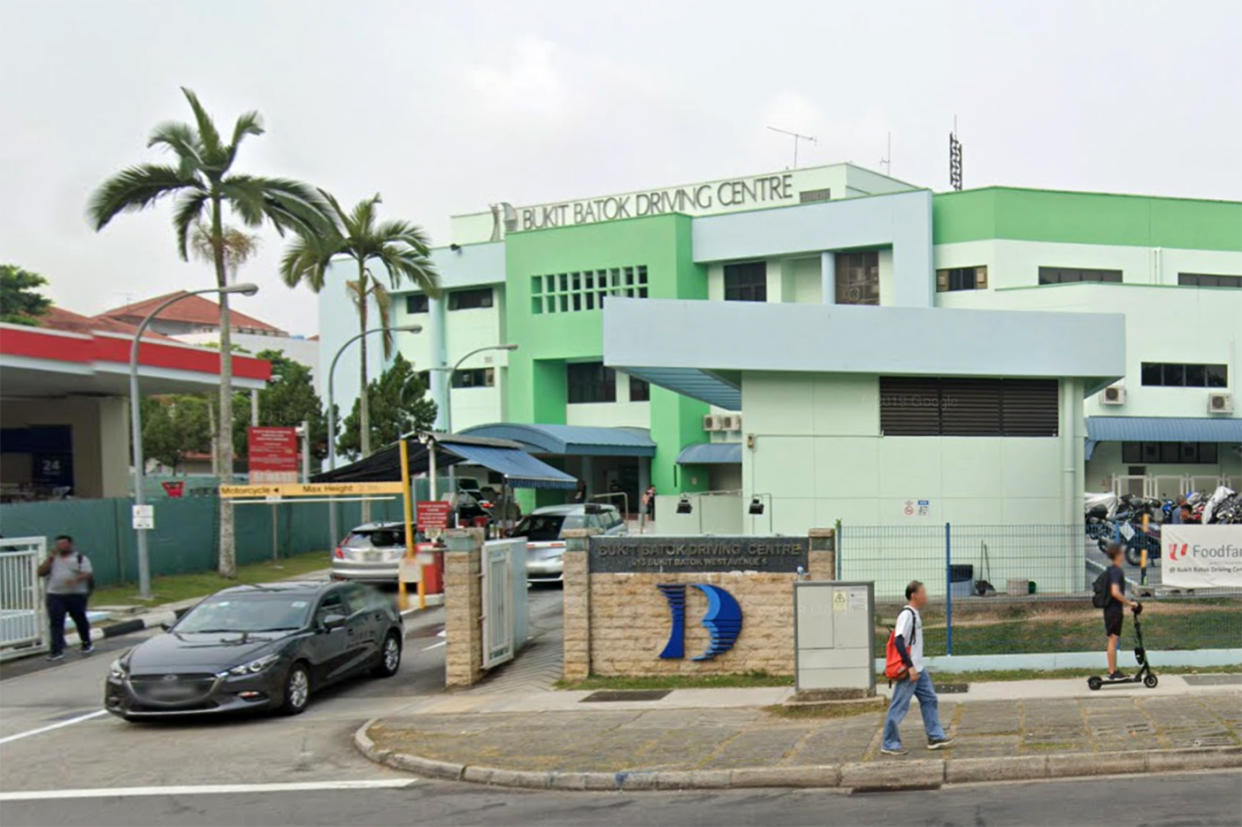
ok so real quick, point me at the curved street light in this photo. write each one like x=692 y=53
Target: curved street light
x=135 y=420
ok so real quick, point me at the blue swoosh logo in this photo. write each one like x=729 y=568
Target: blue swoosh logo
x=723 y=620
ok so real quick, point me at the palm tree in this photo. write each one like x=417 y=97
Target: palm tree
x=400 y=246
x=204 y=185
x=239 y=247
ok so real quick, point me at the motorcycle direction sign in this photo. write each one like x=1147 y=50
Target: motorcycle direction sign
x=1201 y=556
x=273 y=453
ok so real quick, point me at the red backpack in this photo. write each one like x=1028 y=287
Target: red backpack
x=895 y=668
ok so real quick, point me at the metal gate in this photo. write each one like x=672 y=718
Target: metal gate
x=21 y=605
x=499 y=610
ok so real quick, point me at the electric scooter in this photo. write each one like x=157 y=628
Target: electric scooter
x=1144 y=675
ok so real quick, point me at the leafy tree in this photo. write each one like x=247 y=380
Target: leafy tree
x=288 y=400
x=173 y=426
x=399 y=405
x=205 y=185
x=401 y=247
x=20 y=299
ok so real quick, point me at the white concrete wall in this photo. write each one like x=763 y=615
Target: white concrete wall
x=304 y=351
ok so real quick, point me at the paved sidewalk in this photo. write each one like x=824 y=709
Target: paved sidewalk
x=704 y=731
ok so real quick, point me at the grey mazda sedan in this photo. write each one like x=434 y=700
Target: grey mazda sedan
x=258 y=647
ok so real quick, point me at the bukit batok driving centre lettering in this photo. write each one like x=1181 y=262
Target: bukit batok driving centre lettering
x=697 y=198
x=1201 y=556
x=665 y=554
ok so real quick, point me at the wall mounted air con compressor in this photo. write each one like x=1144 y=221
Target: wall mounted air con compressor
x=1220 y=403
x=1113 y=395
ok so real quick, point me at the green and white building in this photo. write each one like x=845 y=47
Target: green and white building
x=841 y=343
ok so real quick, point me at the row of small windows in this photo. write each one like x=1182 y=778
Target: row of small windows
x=961 y=278
x=1065 y=275
x=917 y=406
x=586 y=289
x=587 y=382
x=472 y=299
x=1185 y=452
x=1181 y=375
x=1208 y=280
x=465 y=378
x=857 y=279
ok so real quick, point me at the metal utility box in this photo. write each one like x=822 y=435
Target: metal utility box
x=834 y=635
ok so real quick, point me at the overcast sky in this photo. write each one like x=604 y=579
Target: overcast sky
x=446 y=107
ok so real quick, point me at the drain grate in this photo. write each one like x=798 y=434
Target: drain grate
x=611 y=695
x=950 y=688
x=1212 y=680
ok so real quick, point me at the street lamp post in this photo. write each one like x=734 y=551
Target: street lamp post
x=135 y=421
x=413 y=328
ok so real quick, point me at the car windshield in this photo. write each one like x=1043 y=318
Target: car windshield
x=256 y=612
x=541 y=528
x=377 y=538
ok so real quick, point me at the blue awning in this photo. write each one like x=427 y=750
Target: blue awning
x=519 y=468
x=571 y=440
x=711 y=453
x=1163 y=429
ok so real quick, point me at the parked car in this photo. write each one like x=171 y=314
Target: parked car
x=544 y=530
x=258 y=647
x=371 y=552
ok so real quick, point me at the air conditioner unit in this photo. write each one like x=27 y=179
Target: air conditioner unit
x=711 y=422
x=732 y=422
x=1220 y=403
x=1115 y=395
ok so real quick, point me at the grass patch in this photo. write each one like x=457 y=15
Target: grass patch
x=742 y=680
x=838 y=709
x=175 y=587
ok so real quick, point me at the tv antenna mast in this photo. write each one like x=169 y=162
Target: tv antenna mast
x=955 y=158
x=796 y=137
x=887 y=160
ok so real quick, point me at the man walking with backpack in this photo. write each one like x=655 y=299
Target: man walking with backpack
x=911 y=678
x=69 y=583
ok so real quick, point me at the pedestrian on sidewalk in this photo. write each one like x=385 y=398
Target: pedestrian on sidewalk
x=69 y=583
x=909 y=643
x=1114 y=609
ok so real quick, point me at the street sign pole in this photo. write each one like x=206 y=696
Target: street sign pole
x=407 y=502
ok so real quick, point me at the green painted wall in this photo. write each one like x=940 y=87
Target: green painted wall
x=536 y=386
x=1086 y=218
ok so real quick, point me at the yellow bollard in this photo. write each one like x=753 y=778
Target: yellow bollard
x=403 y=601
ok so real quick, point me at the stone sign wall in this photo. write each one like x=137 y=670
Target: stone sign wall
x=623 y=596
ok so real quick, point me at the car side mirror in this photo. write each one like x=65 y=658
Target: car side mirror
x=167 y=627
x=333 y=621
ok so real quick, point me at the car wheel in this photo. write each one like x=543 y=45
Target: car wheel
x=297 y=690
x=390 y=657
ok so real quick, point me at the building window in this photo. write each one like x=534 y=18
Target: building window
x=585 y=289
x=968 y=407
x=1208 y=280
x=470 y=299
x=474 y=378
x=858 y=278
x=1179 y=375
x=1064 y=275
x=590 y=382
x=416 y=303
x=640 y=390
x=961 y=278
x=746 y=282
x=1190 y=453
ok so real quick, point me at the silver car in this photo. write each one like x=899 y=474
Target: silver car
x=544 y=530
x=371 y=552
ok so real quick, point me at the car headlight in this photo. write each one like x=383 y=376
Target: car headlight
x=254 y=666
x=118 y=671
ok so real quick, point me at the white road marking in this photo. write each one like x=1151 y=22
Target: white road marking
x=432 y=646
x=51 y=727
x=208 y=789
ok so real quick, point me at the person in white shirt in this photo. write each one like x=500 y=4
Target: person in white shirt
x=909 y=643
x=69 y=582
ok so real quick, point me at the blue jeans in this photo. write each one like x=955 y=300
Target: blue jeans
x=900 y=705
x=74 y=605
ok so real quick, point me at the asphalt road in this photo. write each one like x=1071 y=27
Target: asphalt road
x=1184 y=800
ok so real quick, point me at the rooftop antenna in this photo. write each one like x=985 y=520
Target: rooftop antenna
x=887 y=160
x=955 y=158
x=796 y=137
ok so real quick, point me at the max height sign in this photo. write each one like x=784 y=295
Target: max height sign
x=1201 y=556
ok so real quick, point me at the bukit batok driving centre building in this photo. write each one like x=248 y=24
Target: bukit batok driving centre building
x=839 y=343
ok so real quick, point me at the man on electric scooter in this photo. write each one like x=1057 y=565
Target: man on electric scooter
x=1114 y=610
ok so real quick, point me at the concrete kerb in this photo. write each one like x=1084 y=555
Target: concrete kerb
x=863 y=775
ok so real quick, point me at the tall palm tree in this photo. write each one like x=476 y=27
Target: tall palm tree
x=239 y=247
x=204 y=185
x=400 y=246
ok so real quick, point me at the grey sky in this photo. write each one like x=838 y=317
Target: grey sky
x=445 y=107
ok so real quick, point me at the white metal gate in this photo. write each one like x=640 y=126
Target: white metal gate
x=21 y=606
x=498 y=608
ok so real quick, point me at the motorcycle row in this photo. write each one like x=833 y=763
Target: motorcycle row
x=1110 y=518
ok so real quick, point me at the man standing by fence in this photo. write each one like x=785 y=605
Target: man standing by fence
x=908 y=637
x=69 y=581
